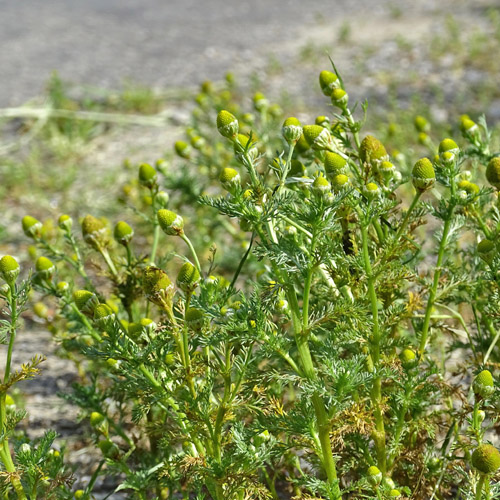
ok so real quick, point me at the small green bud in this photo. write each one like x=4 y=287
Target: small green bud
x=109 y=449
x=183 y=149
x=194 y=318
x=334 y=164
x=340 y=182
x=448 y=150
x=493 y=172
x=302 y=145
x=421 y=124
x=79 y=494
x=486 y=459
x=94 y=232
x=41 y=310
x=408 y=359
x=297 y=169
x=387 y=169
x=371 y=191
x=85 y=301
x=394 y=493
x=227 y=124
x=62 y=286
x=483 y=384
x=486 y=250
x=467 y=126
x=328 y=81
x=32 y=227
x=197 y=142
x=188 y=277
x=162 y=198
x=9 y=269
x=374 y=475
x=324 y=121
x=229 y=178
x=171 y=223
x=45 y=268
x=157 y=287
x=291 y=130
x=321 y=185
x=103 y=316
x=340 y=98
x=260 y=103
x=65 y=222
x=123 y=233
x=372 y=151
x=96 y=419
x=147 y=175
x=423 y=175
x=241 y=144
x=318 y=138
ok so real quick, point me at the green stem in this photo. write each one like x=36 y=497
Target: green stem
x=495 y=335
x=479 y=487
x=105 y=254
x=193 y=251
x=156 y=238
x=407 y=215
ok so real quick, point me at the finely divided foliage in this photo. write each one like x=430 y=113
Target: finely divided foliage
x=273 y=321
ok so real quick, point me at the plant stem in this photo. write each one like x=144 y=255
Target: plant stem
x=479 y=487
x=156 y=237
x=105 y=254
x=193 y=251
x=407 y=215
x=495 y=335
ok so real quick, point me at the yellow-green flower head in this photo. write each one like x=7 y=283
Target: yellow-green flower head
x=421 y=124
x=423 y=139
x=147 y=175
x=394 y=493
x=275 y=110
x=197 y=142
x=302 y=145
x=79 y=494
x=448 y=150
x=123 y=233
x=483 y=384
x=85 y=301
x=386 y=168
x=162 y=198
x=65 y=222
x=96 y=419
x=227 y=124
x=109 y=449
x=62 y=286
x=248 y=118
x=408 y=358
x=9 y=269
x=103 y=315
x=339 y=182
x=32 y=227
x=260 y=103
x=94 y=232
x=340 y=98
x=134 y=330
x=157 y=287
x=374 y=475
x=229 y=178
x=372 y=151
x=291 y=130
x=493 y=172
x=486 y=250
x=334 y=164
x=297 y=168
x=207 y=87
x=318 y=137
x=423 y=175
x=194 y=318
x=467 y=126
x=321 y=185
x=322 y=120
x=469 y=187
x=148 y=324
x=486 y=459
x=45 y=268
x=183 y=149
x=371 y=191
x=41 y=310
x=241 y=144
x=328 y=81
x=171 y=223
x=188 y=277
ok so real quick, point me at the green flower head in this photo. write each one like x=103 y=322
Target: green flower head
x=65 y=222
x=85 y=301
x=243 y=143
x=157 y=287
x=372 y=151
x=229 y=178
x=183 y=149
x=188 y=277
x=45 y=268
x=147 y=175
x=334 y=164
x=123 y=233
x=171 y=223
x=328 y=81
x=467 y=126
x=374 y=475
x=195 y=318
x=32 y=227
x=493 y=172
x=486 y=250
x=423 y=175
x=339 y=182
x=483 y=384
x=371 y=191
x=321 y=185
x=9 y=269
x=291 y=130
x=103 y=315
x=227 y=124
x=318 y=137
x=324 y=121
x=94 y=232
x=421 y=124
x=448 y=145
x=486 y=459
x=340 y=98
x=408 y=358
x=260 y=103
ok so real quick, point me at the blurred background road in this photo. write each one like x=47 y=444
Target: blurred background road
x=165 y=43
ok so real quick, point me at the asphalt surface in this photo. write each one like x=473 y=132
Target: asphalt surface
x=161 y=43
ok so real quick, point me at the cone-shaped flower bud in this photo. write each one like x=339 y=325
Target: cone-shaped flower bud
x=467 y=126
x=85 y=301
x=394 y=493
x=197 y=142
x=171 y=223
x=45 y=268
x=324 y=121
x=158 y=288
x=103 y=316
x=194 y=318
x=423 y=175
x=318 y=137
x=227 y=124
x=9 y=269
x=147 y=175
x=94 y=232
x=302 y=145
x=188 y=277
x=374 y=475
x=123 y=233
x=109 y=449
x=448 y=150
x=291 y=130
x=162 y=198
x=469 y=187
x=242 y=144
x=483 y=384
x=230 y=179
x=32 y=227
x=334 y=164
x=183 y=149
x=371 y=191
x=321 y=185
x=340 y=98
x=260 y=103
x=408 y=358
x=421 y=124
x=297 y=169
x=340 y=182
x=486 y=250
x=372 y=151
x=65 y=222
x=486 y=459
x=493 y=172
x=328 y=81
